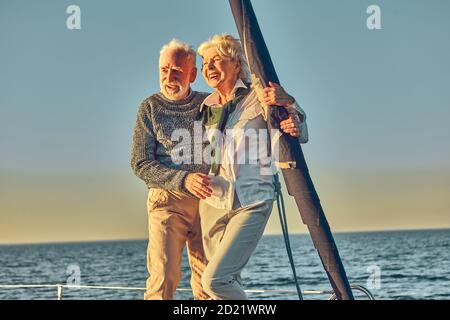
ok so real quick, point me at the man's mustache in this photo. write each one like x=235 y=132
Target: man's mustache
x=178 y=84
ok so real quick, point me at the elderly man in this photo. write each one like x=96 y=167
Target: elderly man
x=175 y=187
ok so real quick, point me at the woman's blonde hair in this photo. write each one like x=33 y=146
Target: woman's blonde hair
x=228 y=47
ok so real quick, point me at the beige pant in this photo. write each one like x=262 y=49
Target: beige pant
x=229 y=239
x=173 y=221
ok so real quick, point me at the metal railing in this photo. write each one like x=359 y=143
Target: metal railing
x=60 y=287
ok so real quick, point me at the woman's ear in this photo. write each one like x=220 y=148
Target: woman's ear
x=238 y=67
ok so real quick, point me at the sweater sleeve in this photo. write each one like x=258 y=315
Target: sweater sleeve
x=143 y=156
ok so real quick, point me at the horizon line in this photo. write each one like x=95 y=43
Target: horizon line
x=264 y=235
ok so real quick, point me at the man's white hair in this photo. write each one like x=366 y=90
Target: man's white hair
x=177 y=45
x=228 y=47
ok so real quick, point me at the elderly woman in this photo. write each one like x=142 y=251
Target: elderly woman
x=237 y=204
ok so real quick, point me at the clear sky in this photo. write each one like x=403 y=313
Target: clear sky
x=377 y=102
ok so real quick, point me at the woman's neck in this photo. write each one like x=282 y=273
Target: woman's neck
x=225 y=91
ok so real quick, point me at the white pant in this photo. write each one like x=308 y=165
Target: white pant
x=229 y=239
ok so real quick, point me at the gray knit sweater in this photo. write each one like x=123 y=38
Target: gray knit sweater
x=151 y=159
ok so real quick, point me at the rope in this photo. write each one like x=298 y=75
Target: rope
x=284 y=227
x=30 y=286
x=61 y=286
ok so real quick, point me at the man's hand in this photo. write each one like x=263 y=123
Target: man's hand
x=291 y=125
x=274 y=95
x=198 y=184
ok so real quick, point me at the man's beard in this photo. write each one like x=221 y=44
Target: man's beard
x=179 y=94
